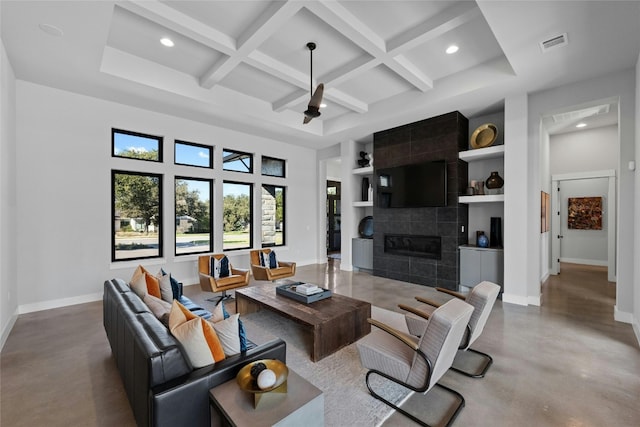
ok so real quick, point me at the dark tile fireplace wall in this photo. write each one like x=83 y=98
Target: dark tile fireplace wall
x=437 y=138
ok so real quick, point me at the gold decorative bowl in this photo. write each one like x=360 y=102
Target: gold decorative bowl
x=248 y=383
x=484 y=135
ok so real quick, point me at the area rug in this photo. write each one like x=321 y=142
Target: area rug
x=340 y=376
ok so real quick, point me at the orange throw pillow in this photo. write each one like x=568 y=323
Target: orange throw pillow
x=179 y=319
x=153 y=285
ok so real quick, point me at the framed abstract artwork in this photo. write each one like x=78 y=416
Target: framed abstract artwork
x=585 y=213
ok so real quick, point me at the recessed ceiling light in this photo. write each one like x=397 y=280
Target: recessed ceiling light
x=167 y=42
x=452 y=49
x=581 y=125
x=52 y=30
x=323 y=105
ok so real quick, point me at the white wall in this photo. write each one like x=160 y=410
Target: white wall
x=64 y=196
x=587 y=150
x=622 y=86
x=584 y=246
x=635 y=316
x=8 y=271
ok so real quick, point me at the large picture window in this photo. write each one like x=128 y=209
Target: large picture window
x=193 y=215
x=137 y=215
x=237 y=216
x=237 y=161
x=273 y=203
x=134 y=145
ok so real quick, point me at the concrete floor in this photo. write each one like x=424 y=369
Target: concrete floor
x=566 y=363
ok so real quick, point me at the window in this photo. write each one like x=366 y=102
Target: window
x=237 y=161
x=137 y=215
x=193 y=215
x=135 y=145
x=272 y=167
x=237 y=216
x=273 y=215
x=191 y=154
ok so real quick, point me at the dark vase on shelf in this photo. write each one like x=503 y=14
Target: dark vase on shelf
x=365 y=189
x=494 y=181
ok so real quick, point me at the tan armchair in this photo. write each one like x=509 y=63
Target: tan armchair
x=238 y=278
x=284 y=269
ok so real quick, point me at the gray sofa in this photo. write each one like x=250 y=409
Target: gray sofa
x=162 y=387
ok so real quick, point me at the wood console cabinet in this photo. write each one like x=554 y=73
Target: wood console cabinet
x=478 y=264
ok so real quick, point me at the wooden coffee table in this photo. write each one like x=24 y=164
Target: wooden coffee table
x=333 y=322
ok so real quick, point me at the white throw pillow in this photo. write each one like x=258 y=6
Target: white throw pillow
x=228 y=334
x=139 y=285
x=165 y=287
x=191 y=336
x=158 y=307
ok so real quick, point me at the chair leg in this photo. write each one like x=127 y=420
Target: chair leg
x=488 y=361
x=222 y=297
x=452 y=418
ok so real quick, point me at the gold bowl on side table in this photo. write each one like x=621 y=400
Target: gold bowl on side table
x=249 y=384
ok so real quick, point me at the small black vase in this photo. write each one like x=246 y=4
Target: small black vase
x=494 y=181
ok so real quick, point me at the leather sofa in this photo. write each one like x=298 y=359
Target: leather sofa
x=162 y=387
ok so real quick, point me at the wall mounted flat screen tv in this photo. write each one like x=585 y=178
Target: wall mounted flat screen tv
x=413 y=186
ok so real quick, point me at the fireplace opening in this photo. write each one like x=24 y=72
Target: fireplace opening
x=413 y=245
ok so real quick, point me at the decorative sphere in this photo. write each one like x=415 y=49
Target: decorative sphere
x=266 y=379
x=256 y=369
x=483 y=241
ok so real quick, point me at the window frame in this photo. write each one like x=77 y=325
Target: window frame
x=158 y=138
x=284 y=167
x=209 y=148
x=175 y=234
x=251 y=214
x=251 y=156
x=160 y=178
x=284 y=216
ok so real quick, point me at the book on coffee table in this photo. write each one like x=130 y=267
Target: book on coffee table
x=292 y=291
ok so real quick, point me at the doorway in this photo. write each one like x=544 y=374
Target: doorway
x=333 y=218
x=584 y=246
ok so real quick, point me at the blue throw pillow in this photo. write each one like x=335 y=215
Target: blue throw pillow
x=224 y=267
x=273 y=263
x=176 y=289
x=241 y=330
x=219 y=267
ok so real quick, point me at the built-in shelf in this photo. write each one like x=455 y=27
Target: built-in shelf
x=363 y=171
x=487 y=198
x=363 y=204
x=482 y=153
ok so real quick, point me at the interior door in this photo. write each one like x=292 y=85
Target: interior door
x=333 y=216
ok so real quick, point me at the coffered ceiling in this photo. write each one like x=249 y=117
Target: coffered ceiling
x=244 y=65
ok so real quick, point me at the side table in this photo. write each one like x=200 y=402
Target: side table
x=303 y=404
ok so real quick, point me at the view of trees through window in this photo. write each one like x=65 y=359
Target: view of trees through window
x=237 y=215
x=193 y=215
x=137 y=213
x=272 y=215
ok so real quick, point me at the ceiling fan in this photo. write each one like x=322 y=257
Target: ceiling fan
x=313 y=109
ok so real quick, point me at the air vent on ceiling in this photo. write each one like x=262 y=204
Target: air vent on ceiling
x=553 y=42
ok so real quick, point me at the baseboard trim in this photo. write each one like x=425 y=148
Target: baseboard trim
x=514 y=299
x=8 y=328
x=533 y=300
x=636 y=329
x=596 y=262
x=57 y=303
x=622 y=316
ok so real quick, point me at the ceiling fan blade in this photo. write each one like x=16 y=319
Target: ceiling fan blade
x=316 y=99
x=306 y=120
